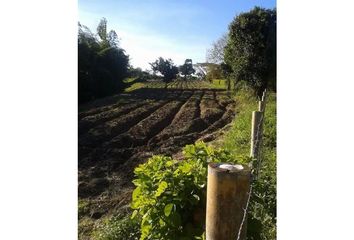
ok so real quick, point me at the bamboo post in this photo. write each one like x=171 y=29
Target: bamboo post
x=261 y=106
x=256 y=132
x=227 y=195
x=264 y=95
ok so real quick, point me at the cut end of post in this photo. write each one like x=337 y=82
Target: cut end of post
x=227 y=194
x=231 y=167
x=228 y=167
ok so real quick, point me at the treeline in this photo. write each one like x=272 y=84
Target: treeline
x=102 y=63
x=248 y=51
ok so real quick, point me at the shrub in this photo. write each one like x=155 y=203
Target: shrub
x=170 y=195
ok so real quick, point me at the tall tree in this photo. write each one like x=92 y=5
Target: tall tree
x=102 y=30
x=166 y=68
x=102 y=63
x=187 y=68
x=216 y=53
x=251 y=48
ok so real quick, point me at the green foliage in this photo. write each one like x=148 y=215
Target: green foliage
x=117 y=228
x=83 y=208
x=251 y=48
x=166 y=68
x=261 y=223
x=214 y=71
x=216 y=53
x=187 y=68
x=102 y=64
x=170 y=195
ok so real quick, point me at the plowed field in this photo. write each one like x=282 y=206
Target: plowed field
x=118 y=133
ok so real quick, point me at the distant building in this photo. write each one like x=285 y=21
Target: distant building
x=201 y=70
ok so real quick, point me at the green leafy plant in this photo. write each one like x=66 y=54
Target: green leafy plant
x=170 y=195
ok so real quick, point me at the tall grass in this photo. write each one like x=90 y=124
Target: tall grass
x=262 y=209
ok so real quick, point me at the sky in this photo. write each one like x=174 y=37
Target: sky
x=176 y=29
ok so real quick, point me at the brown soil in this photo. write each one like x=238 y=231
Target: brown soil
x=118 y=133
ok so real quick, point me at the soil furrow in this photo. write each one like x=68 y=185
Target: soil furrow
x=109 y=130
x=184 y=121
x=148 y=128
x=94 y=120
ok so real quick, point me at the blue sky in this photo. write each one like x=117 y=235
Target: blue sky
x=171 y=29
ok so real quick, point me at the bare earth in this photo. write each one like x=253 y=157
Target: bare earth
x=120 y=132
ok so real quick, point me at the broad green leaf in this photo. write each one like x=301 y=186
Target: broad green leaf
x=134 y=214
x=168 y=209
x=186 y=168
x=196 y=197
x=162 y=186
x=136 y=193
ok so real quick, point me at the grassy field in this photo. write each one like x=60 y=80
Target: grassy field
x=219 y=83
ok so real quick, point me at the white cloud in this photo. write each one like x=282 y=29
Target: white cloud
x=145 y=48
x=144 y=43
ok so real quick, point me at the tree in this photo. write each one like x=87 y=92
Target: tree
x=251 y=48
x=102 y=64
x=187 y=68
x=216 y=53
x=214 y=72
x=166 y=68
x=227 y=73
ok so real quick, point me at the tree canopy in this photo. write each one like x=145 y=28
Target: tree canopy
x=166 y=67
x=216 y=53
x=102 y=63
x=187 y=68
x=251 y=48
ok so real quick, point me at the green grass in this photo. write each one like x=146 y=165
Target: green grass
x=133 y=83
x=117 y=228
x=135 y=86
x=262 y=209
x=219 y=83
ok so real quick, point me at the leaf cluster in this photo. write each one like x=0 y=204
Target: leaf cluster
x=170 y=195
x=187 y=68
x=166 y=67
x=251 y=48
x=102 y=63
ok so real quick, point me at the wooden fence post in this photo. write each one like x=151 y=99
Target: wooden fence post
x=228 y=191
x=256 y=133
x=264 y=95
x=261 y=106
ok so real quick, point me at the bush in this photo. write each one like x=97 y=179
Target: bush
x=170 y=195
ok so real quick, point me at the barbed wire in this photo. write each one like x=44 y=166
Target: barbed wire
x=244 y=212
x=254 y=171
